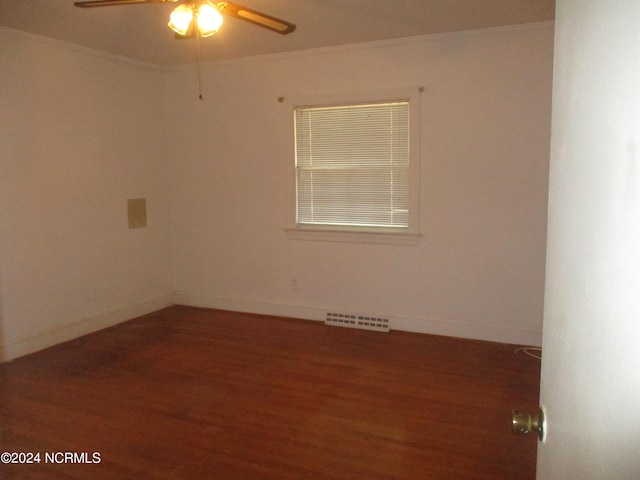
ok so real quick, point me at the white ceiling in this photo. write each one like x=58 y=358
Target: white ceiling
x=139 y=32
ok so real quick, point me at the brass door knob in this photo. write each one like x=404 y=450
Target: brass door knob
x=523 y=422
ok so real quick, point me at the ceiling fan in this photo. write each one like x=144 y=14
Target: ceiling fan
x=203 y=17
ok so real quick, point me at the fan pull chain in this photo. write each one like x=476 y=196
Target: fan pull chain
x=198 y=59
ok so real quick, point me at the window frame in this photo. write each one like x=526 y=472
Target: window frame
x=394 y=235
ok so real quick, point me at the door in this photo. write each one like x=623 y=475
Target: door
x=590 y=383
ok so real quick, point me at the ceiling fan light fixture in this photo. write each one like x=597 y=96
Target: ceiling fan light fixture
x=208 y=17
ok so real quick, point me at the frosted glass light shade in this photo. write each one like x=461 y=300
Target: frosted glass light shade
x=209 y=20
x=180 y=19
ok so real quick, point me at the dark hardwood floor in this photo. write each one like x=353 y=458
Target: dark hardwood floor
x=189 y=393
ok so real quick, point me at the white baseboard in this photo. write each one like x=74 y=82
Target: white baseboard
x=79 y=328
x=432 y=326
x=473 y=331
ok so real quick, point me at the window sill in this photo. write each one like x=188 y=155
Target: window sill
x=325 y=235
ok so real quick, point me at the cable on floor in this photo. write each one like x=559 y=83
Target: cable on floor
x=530 y=351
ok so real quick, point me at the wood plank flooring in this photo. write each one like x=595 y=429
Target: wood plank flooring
x=188 y=393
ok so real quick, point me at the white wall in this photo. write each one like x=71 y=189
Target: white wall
x=82 y=132
x=79 y=134
x=478 y=270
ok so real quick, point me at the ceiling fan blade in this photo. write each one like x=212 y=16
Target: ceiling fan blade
x=253 y=16
x=111 y=3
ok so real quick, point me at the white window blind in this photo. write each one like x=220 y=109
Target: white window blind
x=352 y=165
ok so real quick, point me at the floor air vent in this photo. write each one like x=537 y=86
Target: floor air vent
x=351 y=320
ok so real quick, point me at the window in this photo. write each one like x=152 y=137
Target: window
x=356 y=166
